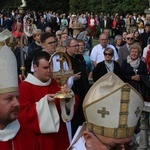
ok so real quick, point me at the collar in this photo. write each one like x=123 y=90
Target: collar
x=80 y=144
x=128 y=46
x=10 y=131
x=78 y=137
x=103 y=47
x=33 y=80
x=70 y=55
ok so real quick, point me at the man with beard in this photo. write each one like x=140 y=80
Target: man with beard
x=12 y=135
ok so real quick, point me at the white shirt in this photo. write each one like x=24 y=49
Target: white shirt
x=97 y=53
x=82 y=20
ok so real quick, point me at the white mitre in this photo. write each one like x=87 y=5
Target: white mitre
x=8 y=67
x=4 y=35
x=112 y=108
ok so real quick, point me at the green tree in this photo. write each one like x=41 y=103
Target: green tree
x=109 y=6
x=38 y=5
x=78 y=6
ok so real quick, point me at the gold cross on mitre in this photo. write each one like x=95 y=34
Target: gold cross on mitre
x=103 y=112
x=61 y=75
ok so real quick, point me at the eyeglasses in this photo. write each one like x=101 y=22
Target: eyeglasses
x=107 y=54
x=103 y=39
x=81 y=46
x=127 y=146
x=53 y=42
x=77 y=46
x=109 y=148
x=130 y=38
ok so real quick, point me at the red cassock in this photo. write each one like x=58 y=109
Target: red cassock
x=31 y=112
x=24 y=140
x=92 y=25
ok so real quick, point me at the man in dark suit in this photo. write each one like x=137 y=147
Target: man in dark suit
x=42 y=24
x=7 y=22
x=81 y=84
x=106 y=22
x=145 y=35
x=123 y=51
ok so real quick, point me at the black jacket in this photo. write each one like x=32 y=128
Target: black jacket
x=101 y=70
x=81 y=86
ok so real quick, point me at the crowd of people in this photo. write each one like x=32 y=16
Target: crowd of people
x=119 y=62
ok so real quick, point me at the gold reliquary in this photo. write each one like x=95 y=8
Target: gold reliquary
x=62 y=74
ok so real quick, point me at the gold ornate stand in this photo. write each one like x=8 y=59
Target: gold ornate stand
x=62 y=75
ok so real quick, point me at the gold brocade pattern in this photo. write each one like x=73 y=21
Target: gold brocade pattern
x=2 y=43
x=9 y=89
x=111 y=132
x=124 y=103
x=122 y=131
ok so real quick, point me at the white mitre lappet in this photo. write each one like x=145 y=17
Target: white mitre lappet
x=112 y=108
x=8 y=66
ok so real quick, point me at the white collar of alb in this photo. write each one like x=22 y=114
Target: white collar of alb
x=33 y=80
x=10 y=131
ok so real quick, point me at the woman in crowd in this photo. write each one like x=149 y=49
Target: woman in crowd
x=118 y=42
x=140 y=25
x=87 y=38
x=115 y=25
x=18 y=30
x=28 y=28
x=36 y=43
x=58 y=35
x=107 y=65
x=137 y=36
x=64 y=22
x=14 y=23
x=124 y=35
x=134 y=69
x=89 y=65
x=64 y=30
x=92 y=24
